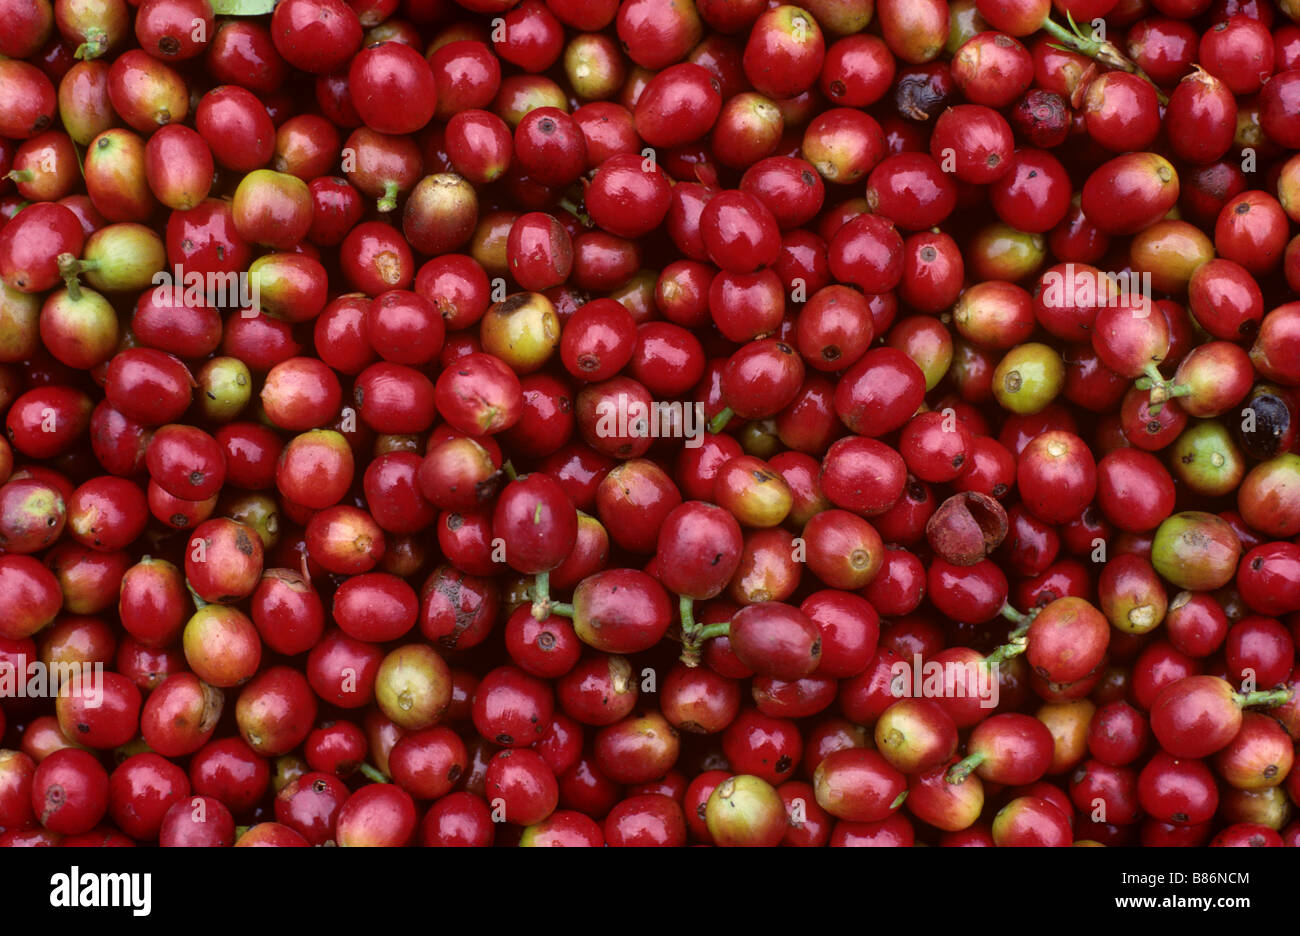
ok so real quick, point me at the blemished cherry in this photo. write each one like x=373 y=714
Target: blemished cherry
x=69 y=792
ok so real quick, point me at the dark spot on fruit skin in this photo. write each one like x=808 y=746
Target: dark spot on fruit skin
x=54 y=797
x=514 y=303
x=243 y=543
x=504 y=739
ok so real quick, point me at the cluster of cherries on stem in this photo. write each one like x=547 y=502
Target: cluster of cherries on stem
x=649 y=422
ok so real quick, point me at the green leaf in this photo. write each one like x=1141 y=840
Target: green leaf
x=242 y=7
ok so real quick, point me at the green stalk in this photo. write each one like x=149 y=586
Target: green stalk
x=1018 y=640
x=694 y=634
x=96 y=44
x=714 y=630
x=541 y=595
x=388 y=201
x=959 y=771
x=574 y=209
x=1161 y=389
x=199 y=603
x=1014 y=616
x=70 y=268
x=1102 y=51
x=543 y=606
x=1266 y=697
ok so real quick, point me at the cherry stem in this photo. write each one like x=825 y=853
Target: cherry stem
x=690 y=631
x=572 y=208
x=1011 y=614
x=709 y=631
x=686 y=611
x=694 y=633
x=388 y=201
x=959 y=771
x=1266 y=697
x=1101 y=50
x=1018 y=640
x=372 y=773
x=1017 y=643
x=509 y=469
x=542 y=596
x=543 y=606
x=21 y=175
x=69 y=268
x=719 y=422
x=96 y=44
x=1161 y=389
x=199 y=603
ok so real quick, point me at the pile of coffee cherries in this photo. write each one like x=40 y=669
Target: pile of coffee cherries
x=649 y=422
